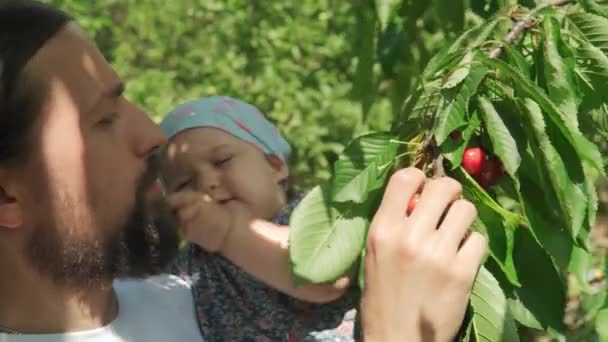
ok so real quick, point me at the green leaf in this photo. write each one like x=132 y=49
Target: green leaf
x=559 y=71
x=580 y=265
x=493 y=221
x=594 y=28
x=324 y=242
x=569 y=190
x=466 y=42
x=361 y=274
x=460 y=72
x=385 y=9
x=592 y=66
x=363 y=167
x=522 y=315
x=514 y=57
x=476 y=36
x=593 y=7
x=452 y=149
x=364 y=83
x=451 y=14
x=491 y=320
x=453 y=114
x=592 y=69
x=536 y=270
x=584 y=148
x=601 y=325
x=545 y=223
x=504 y=145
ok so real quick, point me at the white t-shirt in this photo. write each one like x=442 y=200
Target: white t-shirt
x=158 y=309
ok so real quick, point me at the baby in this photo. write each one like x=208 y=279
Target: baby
x=226 y=169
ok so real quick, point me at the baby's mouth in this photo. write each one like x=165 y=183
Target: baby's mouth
x=225 y=201
x=155 y=190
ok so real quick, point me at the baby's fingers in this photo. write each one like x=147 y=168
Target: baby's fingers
x=187 y=213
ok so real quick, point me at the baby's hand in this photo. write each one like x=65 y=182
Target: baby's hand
x=201 y=219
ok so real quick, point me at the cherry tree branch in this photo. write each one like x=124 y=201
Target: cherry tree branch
x=526 y=22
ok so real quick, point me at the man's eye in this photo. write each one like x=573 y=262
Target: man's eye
x=108 y=120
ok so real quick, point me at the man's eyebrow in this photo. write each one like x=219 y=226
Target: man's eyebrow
x=112 y=92
x=116 y=90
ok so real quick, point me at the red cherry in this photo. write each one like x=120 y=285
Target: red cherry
x=473 y=160
x=490 y=172
x=413 y=203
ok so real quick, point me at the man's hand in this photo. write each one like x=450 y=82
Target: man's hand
x=420 y=268
x=201 y=219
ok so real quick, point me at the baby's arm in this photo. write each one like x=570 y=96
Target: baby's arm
x=259 y=247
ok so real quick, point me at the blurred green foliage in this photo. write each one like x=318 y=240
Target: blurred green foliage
x=293 y=60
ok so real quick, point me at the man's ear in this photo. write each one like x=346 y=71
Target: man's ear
x=281 y=171
x=11 y=215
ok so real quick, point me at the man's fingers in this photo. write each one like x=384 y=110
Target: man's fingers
x=458 y=220
x=472 y=253
x=436 y=197
x=402 y=185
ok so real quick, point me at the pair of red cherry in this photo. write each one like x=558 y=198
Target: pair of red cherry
x=479 y=165
x=476 y=163
x=483 y=168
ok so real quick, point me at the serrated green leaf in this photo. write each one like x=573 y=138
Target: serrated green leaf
x=460 y=73
x=592 y=65
x=559 y=71
x=585 y=149
x=594 y=28
x=491 y=320
x=324 y=242
x=493 y=221
x=569 y=190
x=362 y=167
x=536 y=270
x=476 y=36
x=514 y=57
x=504 y=145
x=522 y=315
x=467 y=41
x=453 y=149
x=594 y=7
x=385 y=9
x=452 y=116
x=592 y=69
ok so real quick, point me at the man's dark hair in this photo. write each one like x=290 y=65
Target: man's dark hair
x=25 y=26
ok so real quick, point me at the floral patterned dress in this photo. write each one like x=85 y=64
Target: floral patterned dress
x=231 y=305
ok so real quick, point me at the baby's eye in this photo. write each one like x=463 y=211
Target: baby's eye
x=182 y=185
x=222 y=161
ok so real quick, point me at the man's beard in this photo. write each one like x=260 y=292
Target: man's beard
x=144 y=246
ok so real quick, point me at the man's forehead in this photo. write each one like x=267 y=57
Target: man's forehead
x=73 y=60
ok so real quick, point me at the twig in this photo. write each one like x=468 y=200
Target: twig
x=526 y=22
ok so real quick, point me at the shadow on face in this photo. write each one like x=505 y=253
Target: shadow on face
x=82 y=190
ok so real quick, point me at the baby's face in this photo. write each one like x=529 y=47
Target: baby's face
x=231 y=171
